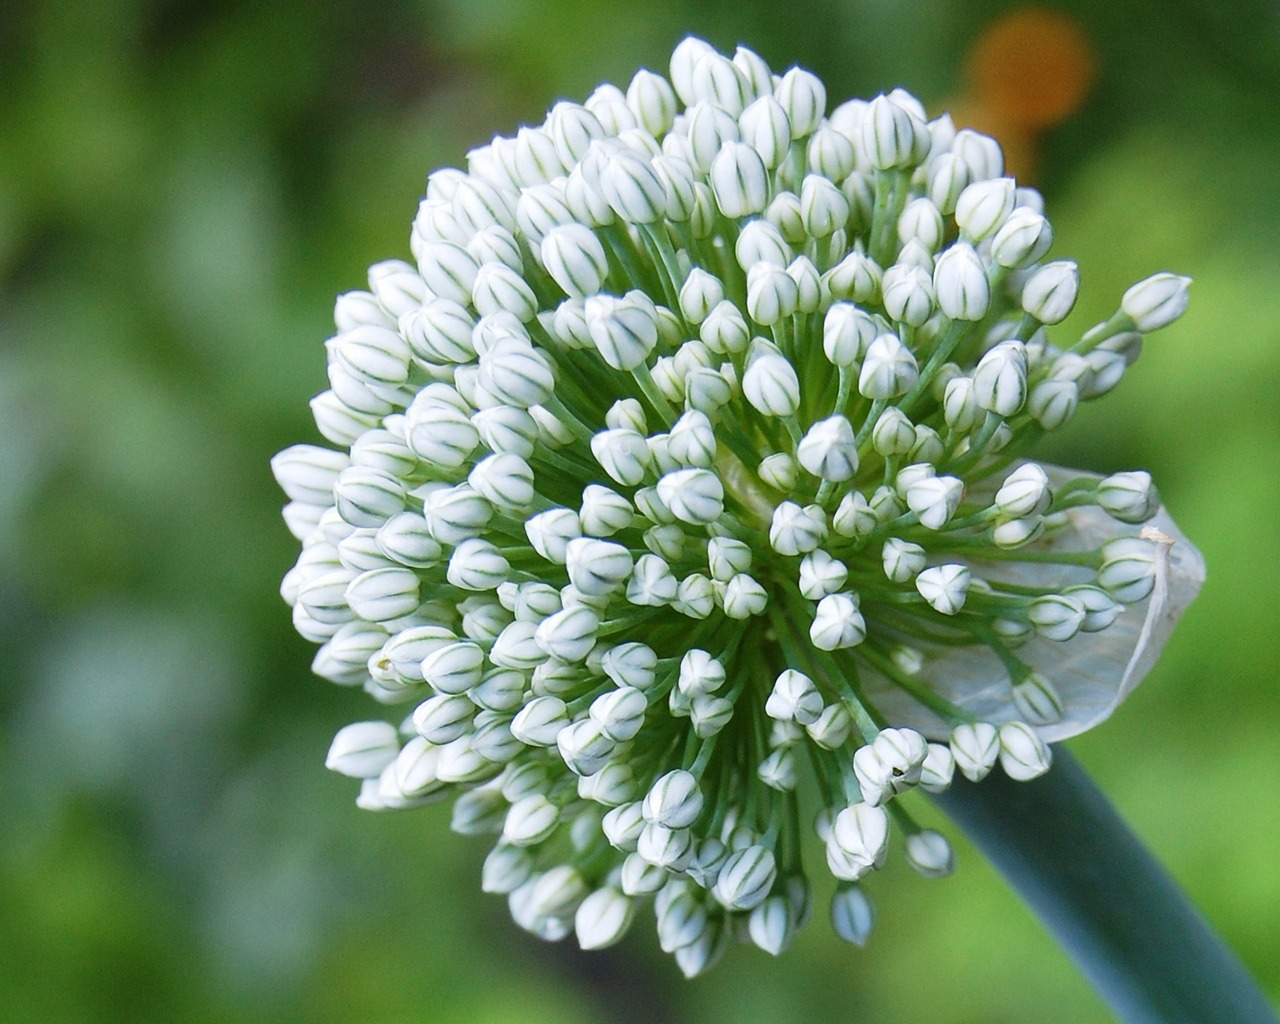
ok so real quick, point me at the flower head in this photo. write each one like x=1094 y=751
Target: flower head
x=688 y=457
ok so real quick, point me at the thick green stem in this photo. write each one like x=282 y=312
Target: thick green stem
x=1147 y=952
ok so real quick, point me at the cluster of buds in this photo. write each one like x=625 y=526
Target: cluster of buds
x=688 y=458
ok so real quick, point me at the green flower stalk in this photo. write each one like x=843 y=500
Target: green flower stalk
x=689 y=460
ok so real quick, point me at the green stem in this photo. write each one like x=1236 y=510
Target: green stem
x=1133 y=934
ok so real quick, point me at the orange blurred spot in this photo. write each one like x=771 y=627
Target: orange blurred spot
x=1028 y=71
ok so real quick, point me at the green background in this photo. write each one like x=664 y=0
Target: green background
x=185 y=186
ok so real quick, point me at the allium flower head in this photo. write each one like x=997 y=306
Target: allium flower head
x=688 y=459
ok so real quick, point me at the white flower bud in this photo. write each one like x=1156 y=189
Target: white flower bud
x=695 y=596
x=935 y=500
x=1023 y=239
x=949 y=175
x=1037 y=700
x=716 y=79
x=551 y=531
x=892 y=135
x=1049 y=294
x=407 y=539
x=355 y=308
x=930 y=854
x=557 y=892
x=1099 y=609
x=1156 y=302
x=506 y=868
x=960 y=283
x=1023 y=754
x=1056 y=616
x=938 y=769
x=772 y=294
x=449 y=270
x=921 y=221
x=443 y=718
x=1129 y=497
x=623 y=454
x=380 y=595
x=516 y=373
x=307 y=472
x=847 y=331
x=1025 y=492
x=902 y=560
x=495 y=244
x=575 y=259
x=505 y=481
x=739 y=181
x=860 y=833
x=653 y=102
x=832 y=727
x=569 y=634
x=828 y=449
x=893 y=433
x=530 y=820
x=824 y=209
x=744 y=597
x=944 y=587
x=984 y=206
x=770 y=383
x=727 y=558
x=820 y=575
x=630 y=185
x=831 y=153
x=363 y=749
x=700 y=673
x=454 y=668
x=857 y=277
x=584 y=747
x=367 y=497
x=603 y=918
x=746 y=878
x=439 y=434
x=908 y=293
x=604 y=512
x=505 y=429
x=852 y=915
x=766 y=128
x=796 y=530
x=1000 y=379
x=652 y=583
x=837 y=623
x=498 y=288
x=539 y=722
x=888 y=370
x=397 y=286
x=975 y=747
x=476 y=564
x=625 y=330
x=1014 y=533
x=699 y=295
x=596 y=567
x=854 y=516
x=771 y=925
x=803 y=97
x=709 y=714
x=1128 y=569
x=622 y=825
x=455 y=513
x=674 y=800
x=794 y=698
x=779 y=471
x=760 y=241
x=1053 y=402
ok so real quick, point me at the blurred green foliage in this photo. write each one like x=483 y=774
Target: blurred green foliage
x=185 y=186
